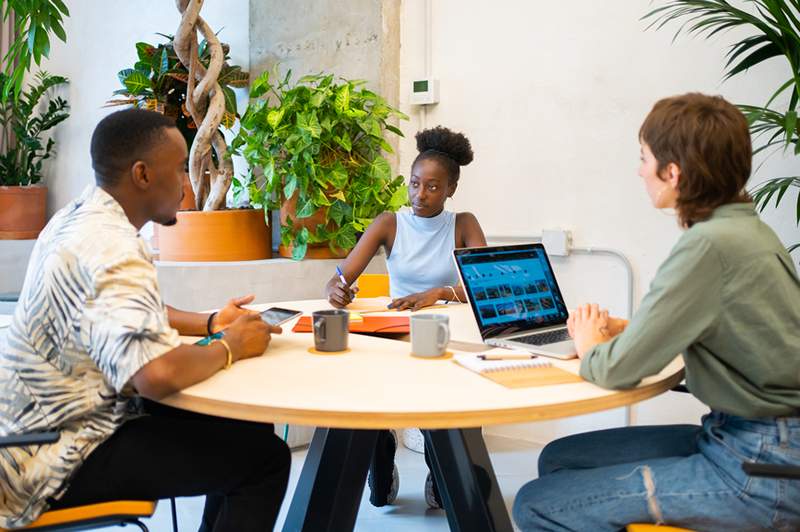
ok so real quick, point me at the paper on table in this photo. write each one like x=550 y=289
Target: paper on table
x=370 y=304
x=373 y=305
x=478 y=365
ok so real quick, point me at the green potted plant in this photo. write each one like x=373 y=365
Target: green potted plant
x=158 y=82
x=34 y=20
x=774 y=31
x=315 y=150
x=23 y=200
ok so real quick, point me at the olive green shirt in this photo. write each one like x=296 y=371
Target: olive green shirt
x=728 y=298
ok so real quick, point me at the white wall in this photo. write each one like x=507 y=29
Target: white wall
x=552 y=97
x=101 y=39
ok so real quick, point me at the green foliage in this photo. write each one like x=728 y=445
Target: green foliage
x=775 y=28
x=158 y=82
x=24 y=124
x=33 y=22
x=323 y=140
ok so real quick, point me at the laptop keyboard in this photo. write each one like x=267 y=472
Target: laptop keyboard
x=551 y=337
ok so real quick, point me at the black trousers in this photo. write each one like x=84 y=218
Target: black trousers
x=241 y=467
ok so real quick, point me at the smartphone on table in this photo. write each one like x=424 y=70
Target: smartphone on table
x=273 y=316
x=279 y=316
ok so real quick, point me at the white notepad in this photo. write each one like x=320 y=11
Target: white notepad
x=473 y=362
x=517 y=373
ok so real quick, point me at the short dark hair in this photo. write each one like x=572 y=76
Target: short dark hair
x=708 y=138
x=452 y=150
x=122 y=138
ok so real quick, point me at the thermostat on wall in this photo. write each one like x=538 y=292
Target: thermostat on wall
x=425 y=91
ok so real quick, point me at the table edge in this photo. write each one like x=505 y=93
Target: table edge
x=438 y=420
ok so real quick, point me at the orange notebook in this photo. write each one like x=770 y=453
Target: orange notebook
x=368 y=324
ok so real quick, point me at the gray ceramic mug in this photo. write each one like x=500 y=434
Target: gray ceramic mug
x=430 y=334
x=331 y=328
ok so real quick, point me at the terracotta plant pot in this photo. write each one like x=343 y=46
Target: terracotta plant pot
x=23 y=212
x=315 y=251
x=209 y=236
x=187 y=204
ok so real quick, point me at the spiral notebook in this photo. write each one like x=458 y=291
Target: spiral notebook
x=517 y=373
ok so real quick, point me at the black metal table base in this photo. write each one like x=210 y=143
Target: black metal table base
x=332 y=482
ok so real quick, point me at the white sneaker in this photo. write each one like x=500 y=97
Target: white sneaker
x=430 y=496
x=392 y=495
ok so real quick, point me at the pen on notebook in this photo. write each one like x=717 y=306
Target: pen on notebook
x=509 y=356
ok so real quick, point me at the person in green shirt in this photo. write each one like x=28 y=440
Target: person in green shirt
x=728 y=299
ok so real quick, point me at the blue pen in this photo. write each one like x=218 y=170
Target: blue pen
x=341 y=277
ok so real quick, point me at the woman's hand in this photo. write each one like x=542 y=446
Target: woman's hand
x=418 y=300
x=338 y=294
x=230 y=312
x=589 y=326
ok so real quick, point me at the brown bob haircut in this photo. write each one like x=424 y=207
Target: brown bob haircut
x=708 y=138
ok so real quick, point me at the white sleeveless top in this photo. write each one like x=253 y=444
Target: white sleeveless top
x=422 y=254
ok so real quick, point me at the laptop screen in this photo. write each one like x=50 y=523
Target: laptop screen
x=511 y=288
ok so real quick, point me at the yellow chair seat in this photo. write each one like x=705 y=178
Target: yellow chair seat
x=373 y=285
x=104 y=513
x=638 y=527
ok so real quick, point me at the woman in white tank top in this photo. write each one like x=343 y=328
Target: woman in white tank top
x=419 y=242
x=419 y=245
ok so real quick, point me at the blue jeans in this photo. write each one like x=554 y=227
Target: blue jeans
x=680 y=475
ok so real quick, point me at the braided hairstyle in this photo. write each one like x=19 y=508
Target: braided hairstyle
x=450 y=149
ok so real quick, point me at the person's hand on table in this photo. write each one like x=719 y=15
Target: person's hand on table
x=249 y=336
x=339 y=294
x=589 y=326
x=230 y=312
x=417 y=301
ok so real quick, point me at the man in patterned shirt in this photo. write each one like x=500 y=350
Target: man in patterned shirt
x=91 y=345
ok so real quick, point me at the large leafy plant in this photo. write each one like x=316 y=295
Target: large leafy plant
x=774 y=27
x=321 y=140
x=24 y=124
x=158 y=82
x=33 y=20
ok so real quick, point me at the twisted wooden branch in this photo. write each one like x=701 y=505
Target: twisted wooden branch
x=205 y=101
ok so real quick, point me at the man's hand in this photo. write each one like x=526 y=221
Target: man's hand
x=589 y=326
x=249 y=336
x=230 y=312
x=418 y=300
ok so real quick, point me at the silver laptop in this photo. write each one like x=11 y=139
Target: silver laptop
x=515 y=298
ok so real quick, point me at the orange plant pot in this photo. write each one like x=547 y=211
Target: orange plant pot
x=23 y=212
x=315 y=251
x=187 y=203
x=209 y=236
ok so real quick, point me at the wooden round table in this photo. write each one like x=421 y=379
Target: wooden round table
x=376 y=385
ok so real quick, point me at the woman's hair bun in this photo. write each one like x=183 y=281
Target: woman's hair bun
x=455 y=145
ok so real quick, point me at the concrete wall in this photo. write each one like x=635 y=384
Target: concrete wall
x=353 y=39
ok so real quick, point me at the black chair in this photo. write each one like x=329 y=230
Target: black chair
x=90 y=516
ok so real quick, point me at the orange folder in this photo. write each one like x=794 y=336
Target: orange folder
x=369 y=324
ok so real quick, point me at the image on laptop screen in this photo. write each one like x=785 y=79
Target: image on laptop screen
x=511 y=288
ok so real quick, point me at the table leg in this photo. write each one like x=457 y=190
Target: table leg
x=331 y=484
x=466 y=481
